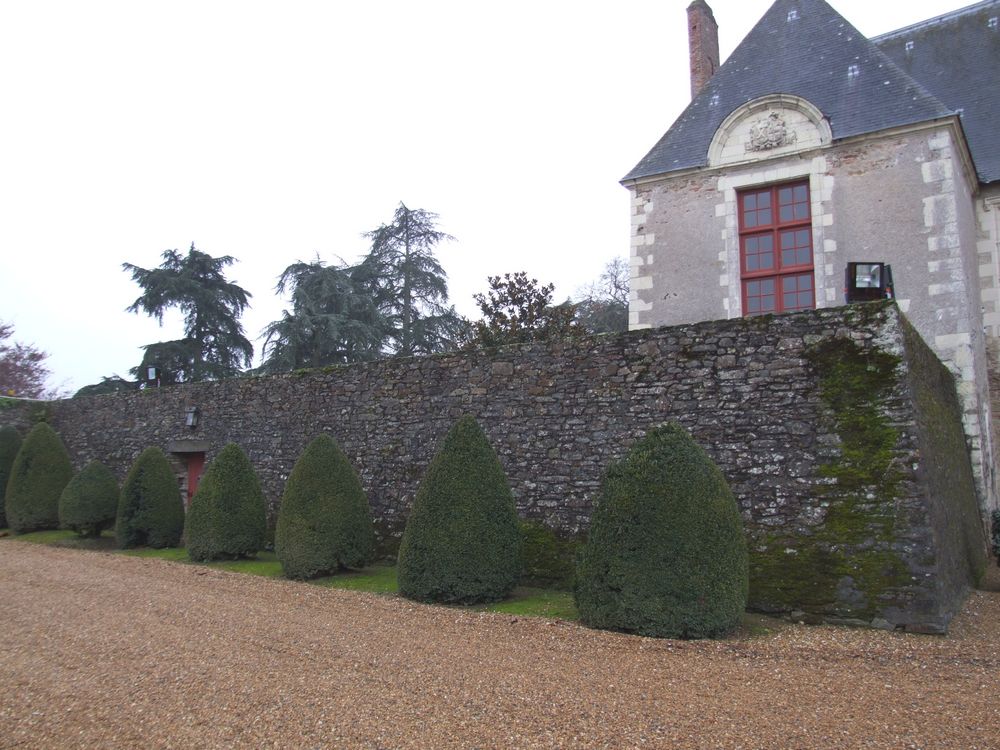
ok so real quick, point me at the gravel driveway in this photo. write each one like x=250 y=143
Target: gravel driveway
x=103 y=650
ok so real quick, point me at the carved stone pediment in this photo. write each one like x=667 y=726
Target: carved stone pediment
x=769 y=133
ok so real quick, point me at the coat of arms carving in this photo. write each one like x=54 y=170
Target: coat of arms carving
x=770 y=132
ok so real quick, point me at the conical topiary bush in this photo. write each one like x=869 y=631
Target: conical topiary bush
x=10 y=444
x=665 y=555
x=38 y=475
x=150 y=510
x=462 y=542
x=227 y=517
x=324 y=523
x=89 y=503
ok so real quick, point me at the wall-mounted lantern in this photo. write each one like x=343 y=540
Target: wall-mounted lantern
x=191 y=416
x=869 y=281
x=152 y=377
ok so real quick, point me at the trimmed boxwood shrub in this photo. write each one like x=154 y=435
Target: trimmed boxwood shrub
x=665 y=555
x=227 y=517
x=40 y=471
x=324 y=523
x=462 y=543
x=150 y=510
x=89 y=502
x=10 y=444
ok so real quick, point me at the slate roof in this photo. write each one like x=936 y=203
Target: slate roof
x=957 y=58
x=805 y=48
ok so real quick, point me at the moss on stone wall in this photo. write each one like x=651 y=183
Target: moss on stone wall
x=846 y=564
x=947 y=469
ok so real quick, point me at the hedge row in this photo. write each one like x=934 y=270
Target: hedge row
x=665 y=556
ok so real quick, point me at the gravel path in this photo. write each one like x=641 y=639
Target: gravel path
x=102 y=650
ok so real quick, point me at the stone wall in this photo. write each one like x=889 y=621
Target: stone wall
x=685 y=253
x=815 y=418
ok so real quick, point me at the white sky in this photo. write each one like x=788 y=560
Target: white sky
x=275 y=131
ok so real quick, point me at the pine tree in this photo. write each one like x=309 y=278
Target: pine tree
x=334 y=319
x=409 y=285
x=214 y=345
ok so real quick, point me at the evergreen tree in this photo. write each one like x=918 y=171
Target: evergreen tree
x=324 y=523
x=89 y=502
x=38 y=475
x=108 y=384
x=516 y=310
x=214 y=345
x=409 y=286
x=150 y=510
x=228 y=516
x=334 y=319
x=665 y=555
x=10 y=444
x=462 y=542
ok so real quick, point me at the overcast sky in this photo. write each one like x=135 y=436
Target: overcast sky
x=275 y=131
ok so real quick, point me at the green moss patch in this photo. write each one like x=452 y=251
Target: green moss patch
x=846 y=565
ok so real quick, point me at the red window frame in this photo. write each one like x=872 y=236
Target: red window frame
x=776 y=249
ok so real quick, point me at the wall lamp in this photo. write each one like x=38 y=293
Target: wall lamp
x=868 y=281
x=191 y=416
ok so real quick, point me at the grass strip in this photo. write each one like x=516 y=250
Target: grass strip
x=524 y=601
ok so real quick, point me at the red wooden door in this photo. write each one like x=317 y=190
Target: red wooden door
x=195 y=467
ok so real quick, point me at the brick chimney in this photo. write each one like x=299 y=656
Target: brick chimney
x=703 y=39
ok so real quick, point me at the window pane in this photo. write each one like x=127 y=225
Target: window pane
x=785 y=196
x=753 y=288
x=801 y=193
x=750 y=202
x=797 y=292
x=764 y=216
x=785 y=214
x=801 y=210
x=764 y=199
x=796 y=248
x=753 y=304
x=767 y=286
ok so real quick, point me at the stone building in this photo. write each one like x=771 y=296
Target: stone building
x=813 y=147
